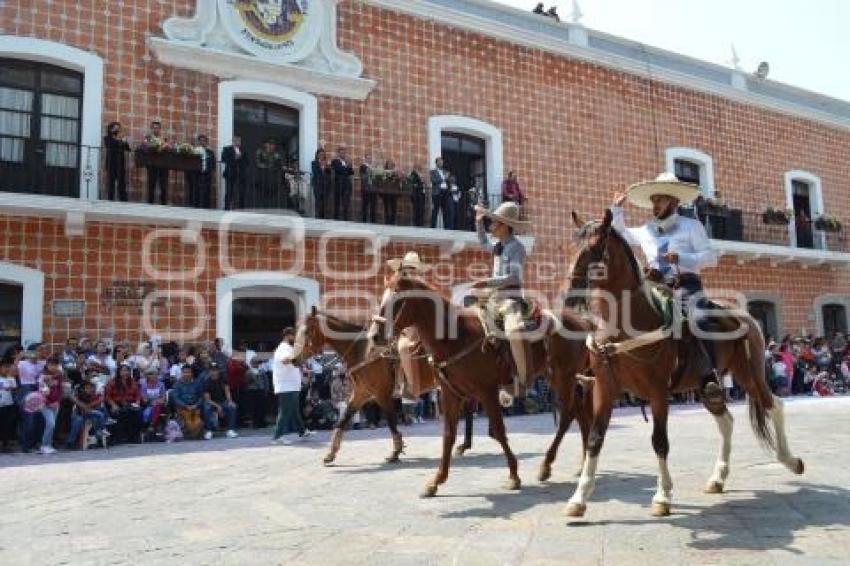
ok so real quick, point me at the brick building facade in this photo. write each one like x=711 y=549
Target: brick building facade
x=577 y=114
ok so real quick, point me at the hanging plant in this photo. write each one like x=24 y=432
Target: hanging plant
x=826 y=223
x=777 y=216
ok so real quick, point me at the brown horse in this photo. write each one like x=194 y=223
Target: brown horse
x=373 y=376
x=454 y=337
x=645 y=361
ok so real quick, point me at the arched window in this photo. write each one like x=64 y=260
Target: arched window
x=469 y=137
x=692 y=166
x=765 y=314
x=834 y=319
x=803 y=195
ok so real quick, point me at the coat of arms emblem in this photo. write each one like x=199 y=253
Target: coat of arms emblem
x=275 y=21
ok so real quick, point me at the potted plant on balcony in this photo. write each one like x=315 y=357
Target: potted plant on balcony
x=777 y=216
x=827 y=223
x=156 y=152
x=714 y=205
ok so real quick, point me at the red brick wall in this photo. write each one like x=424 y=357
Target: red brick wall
x=573 y=131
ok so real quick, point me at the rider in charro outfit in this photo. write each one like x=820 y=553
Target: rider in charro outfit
x=676 y=249
x=503 y=291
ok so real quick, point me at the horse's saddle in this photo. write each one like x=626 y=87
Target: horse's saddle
x=531 y=312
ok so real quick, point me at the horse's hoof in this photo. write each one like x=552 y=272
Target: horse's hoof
x=800 y=467
x=544 y=474
x=714 y=487
x=513 y=484
x=461 y=450
x=660 y=509
x=429 y=491
x=575 y=509
x=393 y=459
x=329 y=459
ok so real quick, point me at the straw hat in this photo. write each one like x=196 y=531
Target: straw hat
x=410 y=259
x=507 y=213
x=667 y=184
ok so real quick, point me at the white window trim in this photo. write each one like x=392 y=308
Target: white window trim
x=815 y=197
x=704 y=160
x=306 y=104
x=493 y=148
x=91 y=66
x=304 y=292
x=824 y=300
x=32 y=314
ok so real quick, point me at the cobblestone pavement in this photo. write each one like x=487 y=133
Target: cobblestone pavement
x=245 y=501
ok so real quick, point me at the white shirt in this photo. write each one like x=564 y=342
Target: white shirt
x=286 y=378
x=108 y=363
x=7 y=384
x=685 y=236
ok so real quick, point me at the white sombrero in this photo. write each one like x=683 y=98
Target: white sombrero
x=507 y=213
x=667 y=184
x=410 y=259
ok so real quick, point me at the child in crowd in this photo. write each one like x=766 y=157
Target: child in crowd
x=50 y=388
x=153 y=399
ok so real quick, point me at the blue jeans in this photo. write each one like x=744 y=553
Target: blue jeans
x=96 y=418
x=49 y=415
x=211 y=416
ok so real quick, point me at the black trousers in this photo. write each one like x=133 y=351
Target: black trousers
x=440 y=201
x=689 y=286
x=417 y=203
x=342 y=202
x=368 y=206
x=234 y=193
x=116 y=179
x=390 y=208
x=319 y=200
x=157 y=177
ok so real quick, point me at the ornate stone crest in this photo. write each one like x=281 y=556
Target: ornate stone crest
x=280 y=29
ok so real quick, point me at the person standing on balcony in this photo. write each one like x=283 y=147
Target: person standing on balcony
x=417 y=195
x=269 y=174
x=321 y=182
x=157 y=176
x=439 y=193
x=343 y=172
x=453 y=206
x=116 y=148
x=391 y=200
x=511 y=191
x=200 y=182
x=368 y=199
x=235 y=170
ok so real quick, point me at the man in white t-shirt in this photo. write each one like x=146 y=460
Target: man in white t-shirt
x=286 y=380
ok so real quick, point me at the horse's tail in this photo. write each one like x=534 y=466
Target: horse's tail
x=759 y=397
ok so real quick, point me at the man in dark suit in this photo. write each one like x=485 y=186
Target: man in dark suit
x=440 y=194
x=200 y=182
x=235 y=169
x=343 y=172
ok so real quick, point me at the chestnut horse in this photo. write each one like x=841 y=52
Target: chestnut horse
x=645 y=361
x=373 y=376
x=454 y=337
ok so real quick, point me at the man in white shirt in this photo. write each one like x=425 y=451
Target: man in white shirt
x=286 y=380
x=676 y=250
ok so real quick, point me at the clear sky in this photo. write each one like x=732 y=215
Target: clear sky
x=806 y=42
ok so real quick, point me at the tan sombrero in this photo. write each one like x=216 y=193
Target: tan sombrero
x=641 y=194
x=410 y=259
x=507 y=213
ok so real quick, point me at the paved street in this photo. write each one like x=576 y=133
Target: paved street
x=245 y=501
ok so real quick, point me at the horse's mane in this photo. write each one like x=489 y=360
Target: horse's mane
x=342 y=325
x=468 y=322
x=630 y=255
